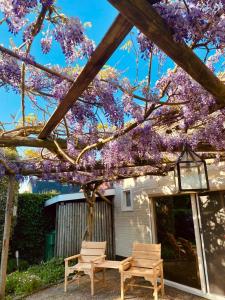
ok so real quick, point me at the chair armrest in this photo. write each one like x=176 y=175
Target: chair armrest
x=128 y=259
x=156 y=264
x=71 y=257
x=97 y=258
x=125 y=264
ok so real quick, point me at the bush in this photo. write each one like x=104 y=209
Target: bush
x=32 y=226
x=50 y=272
x=22 y=283
x=12 y=266
x=36 y=277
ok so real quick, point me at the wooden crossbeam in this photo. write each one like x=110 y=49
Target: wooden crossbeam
x=8 y=141
x=141 y=14
x=30 y=142
x=115 y=35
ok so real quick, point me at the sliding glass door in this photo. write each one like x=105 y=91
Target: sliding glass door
x=175 y=231
x=212 y=212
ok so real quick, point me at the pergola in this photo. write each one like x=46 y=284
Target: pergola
x=141 y=14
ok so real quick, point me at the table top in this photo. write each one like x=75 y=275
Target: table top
x=109 y=264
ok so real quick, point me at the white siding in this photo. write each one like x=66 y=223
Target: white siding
x=131 y=226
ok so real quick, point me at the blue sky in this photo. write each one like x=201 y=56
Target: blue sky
x=101 y=14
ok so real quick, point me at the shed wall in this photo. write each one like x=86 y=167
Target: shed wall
x=71 y=225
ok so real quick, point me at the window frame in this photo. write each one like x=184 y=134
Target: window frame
x=124 y=206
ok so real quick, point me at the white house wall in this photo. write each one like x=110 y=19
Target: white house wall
x=131 y=226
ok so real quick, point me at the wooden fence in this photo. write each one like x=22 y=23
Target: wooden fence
x=71 y=220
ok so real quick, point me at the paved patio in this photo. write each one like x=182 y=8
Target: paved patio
x=110 y=291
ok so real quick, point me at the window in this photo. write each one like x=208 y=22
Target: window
x=127 y=201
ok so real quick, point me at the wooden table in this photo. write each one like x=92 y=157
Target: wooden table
x=109 y=264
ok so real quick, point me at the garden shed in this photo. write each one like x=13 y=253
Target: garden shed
x=71 y=222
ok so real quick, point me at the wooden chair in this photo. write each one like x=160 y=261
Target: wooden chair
x=91 y=254
x=145 y=262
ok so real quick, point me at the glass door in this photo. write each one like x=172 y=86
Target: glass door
x=175 y=232
x=212 y=215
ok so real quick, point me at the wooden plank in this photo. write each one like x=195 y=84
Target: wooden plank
x=9 y=141
x=93 y=245
x=71 y=231
x=56 y=229
x=92 y=251
x=141 y=14
x=6 y=234
x=84 y=221
x=143 y=263
x=115 y=35
x=81 y=217
x=59 y=242
x=87 y=258
x=146 y=255
x=147 y=247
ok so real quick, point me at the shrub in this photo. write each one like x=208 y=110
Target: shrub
x=12 y=266
x=49 y=272
x=24 y=283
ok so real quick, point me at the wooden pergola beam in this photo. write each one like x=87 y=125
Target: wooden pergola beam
x=30 y=142
x=141 y=14
x=113 y=38
x=7 y=141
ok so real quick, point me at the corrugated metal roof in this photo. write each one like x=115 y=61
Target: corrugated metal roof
x=73 y=197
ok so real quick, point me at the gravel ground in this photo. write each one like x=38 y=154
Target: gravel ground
x=110 y=291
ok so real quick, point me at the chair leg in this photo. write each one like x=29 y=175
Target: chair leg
x=155 y=294
x=103 y=276
x=78 y=279
x=162 y=282
x=92 y=284
x=65 y=283
x=162 y=287
x=122 y=287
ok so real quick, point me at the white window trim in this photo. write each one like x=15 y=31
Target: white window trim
x=123 y=201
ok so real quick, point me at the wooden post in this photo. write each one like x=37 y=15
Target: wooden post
x=6 y=234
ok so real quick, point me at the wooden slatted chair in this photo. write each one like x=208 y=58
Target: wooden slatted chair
x=145 y=262
x=91 y=254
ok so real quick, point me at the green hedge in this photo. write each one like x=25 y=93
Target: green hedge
x=31 y=227
x=3 y=196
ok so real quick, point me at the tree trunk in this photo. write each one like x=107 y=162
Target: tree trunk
x=90 y=221
x=90 y=195
x=6 y=234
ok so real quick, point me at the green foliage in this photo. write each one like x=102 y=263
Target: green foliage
x=32 y=226
x=22 y=283
x=36 y=277
x=12 y=266
x=50 y=272
x=3 y=196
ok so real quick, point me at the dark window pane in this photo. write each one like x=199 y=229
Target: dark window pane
x=127 y=199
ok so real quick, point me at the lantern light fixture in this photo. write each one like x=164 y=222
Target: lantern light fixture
x=191 y=172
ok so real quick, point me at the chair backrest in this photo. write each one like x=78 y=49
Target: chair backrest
x=144 y=255
x=91 y=250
